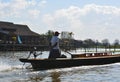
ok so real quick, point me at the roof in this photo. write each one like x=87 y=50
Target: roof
x=24 y=30
x=17 y=28
x=6 y=25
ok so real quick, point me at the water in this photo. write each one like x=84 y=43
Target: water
x=12 y=70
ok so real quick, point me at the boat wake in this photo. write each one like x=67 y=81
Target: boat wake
x=81 y=68
x=6 y=68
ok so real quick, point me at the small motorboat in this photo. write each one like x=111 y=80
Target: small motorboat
x=75 y=60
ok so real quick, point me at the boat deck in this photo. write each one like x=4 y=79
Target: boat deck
x=86 y=57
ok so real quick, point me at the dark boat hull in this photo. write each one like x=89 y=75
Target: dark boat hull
x=43 y=64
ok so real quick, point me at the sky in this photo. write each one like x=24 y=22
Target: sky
x=87 y=19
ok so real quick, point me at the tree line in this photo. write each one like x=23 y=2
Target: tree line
x=103 y=44
x=87 y=43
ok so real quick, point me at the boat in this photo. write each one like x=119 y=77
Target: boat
x=75 y=60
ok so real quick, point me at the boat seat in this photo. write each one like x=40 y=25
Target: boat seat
x=105 y=54
x=78 y=55
x=89 y=54
x=98 y=54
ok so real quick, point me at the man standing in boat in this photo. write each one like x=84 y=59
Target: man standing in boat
x=54 y=46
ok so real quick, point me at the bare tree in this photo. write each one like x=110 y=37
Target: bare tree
x=106 y=44
x=116 y=43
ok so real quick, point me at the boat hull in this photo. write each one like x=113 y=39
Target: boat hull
x=43 y=64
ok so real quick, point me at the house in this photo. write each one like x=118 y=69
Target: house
x=17 y=34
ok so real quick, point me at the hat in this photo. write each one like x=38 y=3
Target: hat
x=57 y=32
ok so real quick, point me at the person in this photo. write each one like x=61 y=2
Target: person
x=54 y=46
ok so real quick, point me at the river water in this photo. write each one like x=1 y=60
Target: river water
x=12 y=70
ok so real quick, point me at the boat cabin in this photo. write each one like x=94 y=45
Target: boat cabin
x=91 y=54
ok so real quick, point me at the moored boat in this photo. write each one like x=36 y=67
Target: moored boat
x=76 y=60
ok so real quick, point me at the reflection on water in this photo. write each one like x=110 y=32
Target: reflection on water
x=35 y=78
x=46 y=76
x=75 y=74
x=55 y=77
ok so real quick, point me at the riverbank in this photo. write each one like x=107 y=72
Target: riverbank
x=22 y=47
